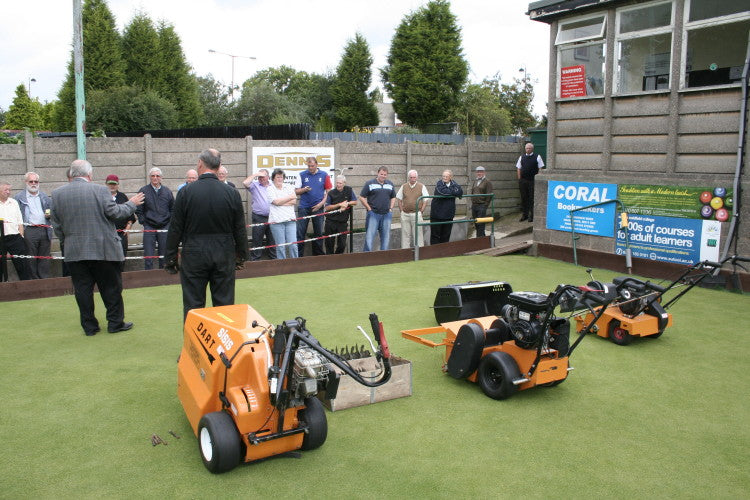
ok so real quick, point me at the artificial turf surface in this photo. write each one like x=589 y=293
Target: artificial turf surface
x=664 y=418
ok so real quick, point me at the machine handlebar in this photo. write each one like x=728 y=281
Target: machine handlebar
x=377 y=330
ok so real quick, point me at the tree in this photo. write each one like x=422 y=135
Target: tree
x=102 y=53
x=120 y=109
x=260 y=104
x=176 y=83
x=213 y=97
x=516 y=98
x=2 y=118
x=311 y=92
x=352 y=107
x=24 y=112
x=479 y=112
x=140 y=47
x=425 y=69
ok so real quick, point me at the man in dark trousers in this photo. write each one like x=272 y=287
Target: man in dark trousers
x=209 y=220
x=341 y=198
x=154 y=215
x=479 y=204
x=527 y=167
x=84 y=216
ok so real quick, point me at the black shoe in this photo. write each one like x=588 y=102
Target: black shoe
x=93 y=332
x=125 y=326
x=522 y=218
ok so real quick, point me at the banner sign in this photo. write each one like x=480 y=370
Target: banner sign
x=671 y=239
x=683 y=202
x=573 y=81
x=565 y=196
x=292 y=159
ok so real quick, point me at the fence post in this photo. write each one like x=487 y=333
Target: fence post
x=3 y=260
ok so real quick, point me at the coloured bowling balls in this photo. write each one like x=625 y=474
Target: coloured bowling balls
x=728 y=202
x=722 y=215
x=706 y=197
x=707 y=211
x=720 y=192
x=717 y=203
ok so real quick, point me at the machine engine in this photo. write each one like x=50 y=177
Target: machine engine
x=524 y=315
x=311 y=371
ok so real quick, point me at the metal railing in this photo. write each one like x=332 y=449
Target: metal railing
x=623 y=226
x=482 y=220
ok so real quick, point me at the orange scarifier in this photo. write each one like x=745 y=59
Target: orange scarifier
x=249 y=388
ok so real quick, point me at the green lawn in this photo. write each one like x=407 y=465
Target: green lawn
x=663 y=417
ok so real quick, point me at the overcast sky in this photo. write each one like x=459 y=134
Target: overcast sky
x=36 y=37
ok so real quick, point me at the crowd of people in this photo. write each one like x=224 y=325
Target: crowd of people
x=282 y=210
x=200 y=233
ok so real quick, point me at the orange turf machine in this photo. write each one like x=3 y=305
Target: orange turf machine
x=638 y=309
x=249 y=389
x=525 y=347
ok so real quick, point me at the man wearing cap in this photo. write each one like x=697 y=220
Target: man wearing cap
x=479 y=204
x=122 y=225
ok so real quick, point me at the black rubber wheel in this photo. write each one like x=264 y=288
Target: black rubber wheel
x=317 y=426
x=496 y=373
x=619 y=336
x=218 y=442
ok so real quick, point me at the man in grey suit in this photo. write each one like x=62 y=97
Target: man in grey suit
x=83 y=216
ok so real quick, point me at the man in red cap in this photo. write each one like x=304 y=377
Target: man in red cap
x=113 y=183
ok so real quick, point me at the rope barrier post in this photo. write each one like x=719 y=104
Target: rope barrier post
x=3 y=259
x=351 y=229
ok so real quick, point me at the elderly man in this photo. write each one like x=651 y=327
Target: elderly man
x=527 y=167
x=479 y=204
x=444 y=209
x=35 y=209
x=13 y=230
x=257 y=184
x=190 y=176
x=312 y=189
x=341 y=198
x=154 y=215
x=209 y=221
x=223 y=173
x=407 y=197
x=84 y=216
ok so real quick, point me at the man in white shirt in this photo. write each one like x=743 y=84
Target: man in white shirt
x=12 y=241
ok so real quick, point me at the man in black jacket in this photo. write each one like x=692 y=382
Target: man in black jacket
x=154 y=216
x=209 y=221
x=444 y=209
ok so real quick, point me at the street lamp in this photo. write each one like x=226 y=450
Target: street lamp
x=523 y=70
x=233 y=58
x=31 y=80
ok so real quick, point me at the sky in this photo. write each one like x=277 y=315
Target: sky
x=498 y=37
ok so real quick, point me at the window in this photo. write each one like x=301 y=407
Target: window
x=716 y=37
x=580 y=57
x=644 y=47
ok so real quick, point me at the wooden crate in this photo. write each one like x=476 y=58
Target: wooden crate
x=351 y=393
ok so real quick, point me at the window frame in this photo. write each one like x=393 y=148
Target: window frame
x=688 y=26
x=633 y=35
x=601 y=34
x=581 y=42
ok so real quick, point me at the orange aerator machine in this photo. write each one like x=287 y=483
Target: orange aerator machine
x=524 y=347
x=249 y=388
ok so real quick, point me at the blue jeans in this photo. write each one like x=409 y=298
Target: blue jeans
x=381 y=224
x=285 y=232
x=317 y=224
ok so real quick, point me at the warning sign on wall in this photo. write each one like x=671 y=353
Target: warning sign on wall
x=573 y=81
